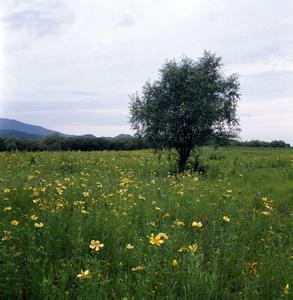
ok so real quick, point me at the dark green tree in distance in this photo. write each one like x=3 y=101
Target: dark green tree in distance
x=191 y=103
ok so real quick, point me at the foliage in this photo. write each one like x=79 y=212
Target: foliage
x=191 y=102
x=57 y=142
x=117 y=225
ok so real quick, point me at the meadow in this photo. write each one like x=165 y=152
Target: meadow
x=123 y=225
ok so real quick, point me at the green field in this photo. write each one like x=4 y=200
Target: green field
x=223 y=234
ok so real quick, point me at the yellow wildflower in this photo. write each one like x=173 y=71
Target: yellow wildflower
x=34 y=217
x=179 y=223
x=266 y=213
x=158 y=239
x=129 y=246
x=138 y=268
x=7 y=235
x=193 y=248
x=196 y=224
x=182 y=249
x=84 y=274
x=99 y=185
x=286 y=289
x=14 y=222
x=59 y=190
x=226 y=219
x=85 y=194
x=174 y=263
x=252 y=266
x=7 y=190
x=39 y=225
x=8 y=208
x=163 y=235
x=96 y=245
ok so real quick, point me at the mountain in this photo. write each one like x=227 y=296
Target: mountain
x=123 y=136
x=17 y=134
x=19 y=129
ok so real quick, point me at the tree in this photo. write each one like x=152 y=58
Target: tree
x=190 y=103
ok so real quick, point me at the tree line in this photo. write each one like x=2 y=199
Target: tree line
x=58 y=143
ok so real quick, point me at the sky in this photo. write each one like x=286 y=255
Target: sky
x=70 y=65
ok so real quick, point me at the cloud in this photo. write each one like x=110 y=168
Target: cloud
x=36 y=22
x=80 y=58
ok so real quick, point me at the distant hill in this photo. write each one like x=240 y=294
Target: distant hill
x=123 y=136
x=24 y=130
x=21 y=130
x=17 y=134
x=119 y=136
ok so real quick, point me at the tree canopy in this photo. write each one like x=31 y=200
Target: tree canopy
x=190 y=103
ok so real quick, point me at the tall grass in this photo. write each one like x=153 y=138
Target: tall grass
x=224 y=233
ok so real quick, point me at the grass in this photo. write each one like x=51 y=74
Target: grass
x=240 y=247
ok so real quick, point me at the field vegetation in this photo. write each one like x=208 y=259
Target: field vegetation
x=124 y=225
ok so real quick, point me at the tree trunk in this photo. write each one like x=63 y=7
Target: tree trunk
x=183 y=157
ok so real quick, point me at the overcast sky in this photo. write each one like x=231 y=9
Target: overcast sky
x=69 y=65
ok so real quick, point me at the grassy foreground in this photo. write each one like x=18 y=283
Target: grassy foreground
x=100 y=225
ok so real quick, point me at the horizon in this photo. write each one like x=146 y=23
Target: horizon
x=237 y=138
x=70 y=66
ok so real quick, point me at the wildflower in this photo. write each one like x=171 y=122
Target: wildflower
x=7 y=235
x=196 y=224
x=252 y=266
x=96 y=245
x=174 y=263
x=8 y=208
x=30 y=177
x=34 y=217
x=14 y=222
x=39 y=225
x=151 y=223
x=286 y=289
x=193 y=248
x=84 y=212
x=182 y=249
x=99 y=185
x=266 y=213
x=124 y=182
x=129 y=246
x=84 y=274
x=85 y=194
x=158 y=239
x=178 y=223
x=37 y=201
x=229 y=191
x=163 y=235
x=138 y=268
x=7 y=190
x=59 y=190
x=140 y=197
x=226 y=219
